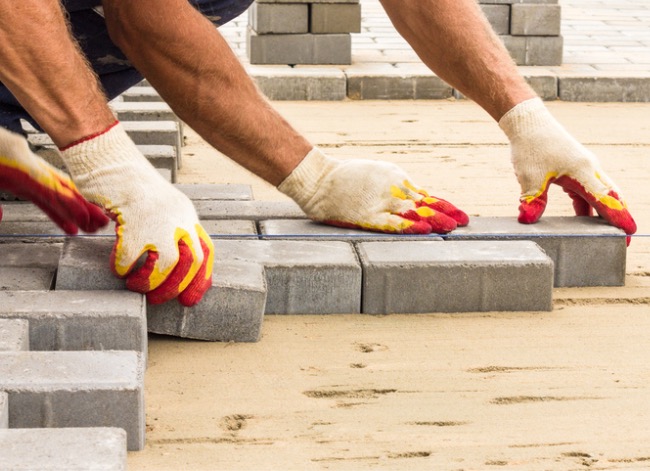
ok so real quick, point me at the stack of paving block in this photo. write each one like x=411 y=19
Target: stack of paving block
x=530 y=29
x=302 y=31
x=147 y=119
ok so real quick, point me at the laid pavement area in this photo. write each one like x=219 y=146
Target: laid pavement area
x=606 y=57
x=566 y=389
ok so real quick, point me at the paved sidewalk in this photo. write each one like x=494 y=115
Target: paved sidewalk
x=606 y=58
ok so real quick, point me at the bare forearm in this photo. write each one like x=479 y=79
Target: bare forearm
x=455 y=40
x=43 y=68
x=190 y=64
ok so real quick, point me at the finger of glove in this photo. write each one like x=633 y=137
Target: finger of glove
x=203 y=279
x=387 y=223
x=437 y=221
x=531 y=208
x=610 y=207
x=446 y=208
x=171 y=287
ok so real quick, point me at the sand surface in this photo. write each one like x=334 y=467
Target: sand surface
x=562 y=390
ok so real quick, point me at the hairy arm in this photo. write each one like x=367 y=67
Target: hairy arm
x=455 y=40
x=44 y=69
x=187 y=60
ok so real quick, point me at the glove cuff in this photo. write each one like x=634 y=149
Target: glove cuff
x=303 y=182
x=109 y=148
x=527 y=116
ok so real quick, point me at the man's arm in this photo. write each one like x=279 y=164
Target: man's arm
x=43 y=68
x=187 y=60
x=455 y=40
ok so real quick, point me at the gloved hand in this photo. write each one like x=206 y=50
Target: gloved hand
x=150 y=214
x=369 y=195
x=543 y=152
x=30 y=177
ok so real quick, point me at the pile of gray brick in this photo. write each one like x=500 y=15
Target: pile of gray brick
x=302 y=31
x=530 y=29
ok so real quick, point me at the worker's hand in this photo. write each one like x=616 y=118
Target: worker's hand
x=152 y=217
x=30 y=177
x=543 y=152
x=369 y=195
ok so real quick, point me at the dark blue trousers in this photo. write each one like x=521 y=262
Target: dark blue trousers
x=114 y=70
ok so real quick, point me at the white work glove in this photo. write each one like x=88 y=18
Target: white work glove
x=543 y=152
x=150 y=214
x=365 y=194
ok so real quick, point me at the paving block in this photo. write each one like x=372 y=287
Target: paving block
x=499 y=17
x=312 y=2
x=79 y=320
x=298 y=48
x=535 y=50
x=84 y=265
x=76 y=389
x=305 y=229
x=40 y=233
x=248 y=210
x=143 y=111
x=327 y=18
x=166 y=174
x=277 y=18
x=161 y=133
x=230 y=192
x=302 y=277
x=141 y=93
x=4 y=411
x=14 y=333
x=301 y=82
x=23 y=212
x=458 y=276
x=231 y=311
x=30 y=256
x=606 y=87
x=70 y=449
x=385 y=82
x=162 y=157
x=585 y=251
x=12 y=278
x=218 y=229
x=535 y=20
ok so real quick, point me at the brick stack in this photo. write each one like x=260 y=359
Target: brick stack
x=530 y=29
x=302 y=31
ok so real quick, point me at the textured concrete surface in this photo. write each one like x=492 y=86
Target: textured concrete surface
x=4 y=410
x=473 y=276
x=14 y=334
x=76 y=389
x=79 y=320
x=71 y=449
x=84 y=265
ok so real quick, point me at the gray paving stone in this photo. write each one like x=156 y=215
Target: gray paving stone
x=307 y=1
x=166 y=174
x=39 y=233
x=632 y=87
x=304 y=229
x=459 y=276
x=29 y=255
x=544 y=50
x=76 y=389
x=327 y=18
x=585 y=251
x=22 y=212
x=385 y=82
x=200 y=192
x=232 y=311
x=248 y=210
x=4 y=410
x=298 y=48
x=499 y=17
x=13 y=278
x=79 y=320
x=229 y=228
x=277 y=18
x=302 y=277
x=84 y=265
x=70 y=449
x=141 y=93
x=162 y=157
x=161 y=133
x=143 y=111
x=14 y=334
x=299 y=83
x=535 y=20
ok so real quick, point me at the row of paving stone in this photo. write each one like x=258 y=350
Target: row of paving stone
x=88 y=335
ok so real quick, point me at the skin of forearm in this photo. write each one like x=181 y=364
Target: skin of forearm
x=187 y=60
x=43 y=68
x=454 y=39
